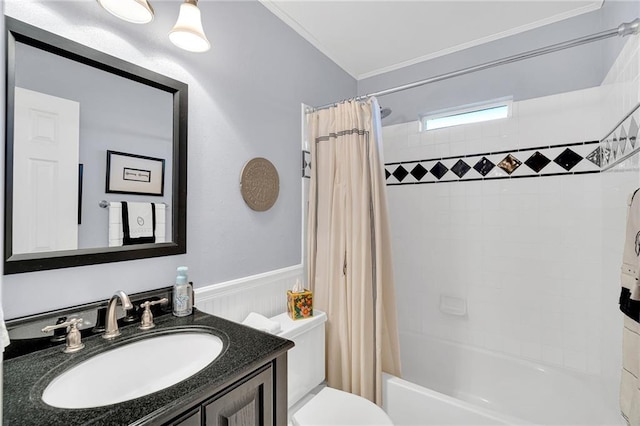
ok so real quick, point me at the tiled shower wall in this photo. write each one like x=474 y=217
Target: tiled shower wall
x=534 y=259
x=622 y=95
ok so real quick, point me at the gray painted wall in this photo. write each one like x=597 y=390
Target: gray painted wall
x=559 y=72
x=244 y=102
x=116 y=114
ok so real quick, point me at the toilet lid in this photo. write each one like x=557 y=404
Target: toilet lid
x=334 y=407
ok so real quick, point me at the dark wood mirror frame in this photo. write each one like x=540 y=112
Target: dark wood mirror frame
x=18 y=31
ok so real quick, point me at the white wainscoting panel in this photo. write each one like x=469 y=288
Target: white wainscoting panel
x=264 y=293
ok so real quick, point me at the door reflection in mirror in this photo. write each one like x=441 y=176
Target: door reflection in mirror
x=45 y=159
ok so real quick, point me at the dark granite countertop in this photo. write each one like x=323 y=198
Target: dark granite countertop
x=26 y=377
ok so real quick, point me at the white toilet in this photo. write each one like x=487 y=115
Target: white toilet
x=306 y=363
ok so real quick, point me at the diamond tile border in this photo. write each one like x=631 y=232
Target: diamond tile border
x=419 y=171
x=460 y=168
x=621 y=143
x=509 y=164
x=554 y=160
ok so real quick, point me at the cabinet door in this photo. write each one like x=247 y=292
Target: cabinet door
x=248 y=404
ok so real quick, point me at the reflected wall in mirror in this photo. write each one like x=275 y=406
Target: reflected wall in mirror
x=68 y=105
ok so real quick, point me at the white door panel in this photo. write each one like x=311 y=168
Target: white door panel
x=45 y=172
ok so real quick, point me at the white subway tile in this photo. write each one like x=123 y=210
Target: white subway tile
x=575 y=339
x=512 y=347
x=552 y=336
x=458 y=147
x=492 y=129
x=440 y=135
x=472 y=131
x=494 y=342
x=457 y=134
x=575 y=360
x=414 y=140
x=552 y=355
x=441 y=150
x=532 y=350
x=427 y=138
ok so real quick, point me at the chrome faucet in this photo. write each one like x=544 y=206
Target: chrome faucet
x=111 y=329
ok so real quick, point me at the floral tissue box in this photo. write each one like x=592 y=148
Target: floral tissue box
x=300 y=305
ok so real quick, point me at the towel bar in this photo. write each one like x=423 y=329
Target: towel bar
x=104 y=204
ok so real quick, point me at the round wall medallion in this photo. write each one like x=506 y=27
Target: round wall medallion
x=259 y=184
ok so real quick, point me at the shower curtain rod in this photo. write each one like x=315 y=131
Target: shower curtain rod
x=622 y=30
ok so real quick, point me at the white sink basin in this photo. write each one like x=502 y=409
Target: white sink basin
x=133 y=370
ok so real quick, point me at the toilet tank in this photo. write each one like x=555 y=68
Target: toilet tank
x=305 y=361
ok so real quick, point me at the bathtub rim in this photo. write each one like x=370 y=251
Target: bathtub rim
x=539 y=365
x=447 y=399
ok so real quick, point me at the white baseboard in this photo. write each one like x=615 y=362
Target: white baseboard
x=264 y=293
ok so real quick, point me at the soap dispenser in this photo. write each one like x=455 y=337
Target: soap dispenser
x=182 y=291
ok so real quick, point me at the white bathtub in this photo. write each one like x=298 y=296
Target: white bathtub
x=410 y=404
x=451 y=384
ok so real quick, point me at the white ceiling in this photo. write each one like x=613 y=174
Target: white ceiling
x=370 y=37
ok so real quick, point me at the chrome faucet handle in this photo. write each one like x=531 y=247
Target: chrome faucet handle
x=147 y=316
x=74 y=338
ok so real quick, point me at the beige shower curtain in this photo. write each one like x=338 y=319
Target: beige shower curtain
x=349 y=252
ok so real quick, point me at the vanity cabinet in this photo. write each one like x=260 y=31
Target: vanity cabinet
x=246 y=385
x=249 y=401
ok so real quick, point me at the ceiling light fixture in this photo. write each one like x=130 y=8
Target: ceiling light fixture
x=136 y=11
x=188 y=33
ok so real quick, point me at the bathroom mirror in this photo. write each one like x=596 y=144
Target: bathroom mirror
x=84 y=132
